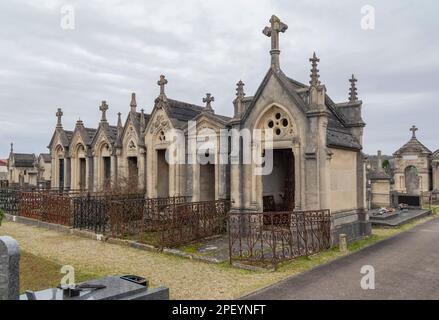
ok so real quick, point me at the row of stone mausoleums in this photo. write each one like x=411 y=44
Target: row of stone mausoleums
x=412 y=170
x=318 y=162
x=28 y=170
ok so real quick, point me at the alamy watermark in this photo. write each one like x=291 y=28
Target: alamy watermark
x=67 y=21
x=367 y=282
x=368 y=17
x=229 y=146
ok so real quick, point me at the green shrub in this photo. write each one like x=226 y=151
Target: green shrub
x=2 y=215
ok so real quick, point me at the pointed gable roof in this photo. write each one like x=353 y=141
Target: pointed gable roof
x=413 y=146
x=87 y=134
x=65 y=137
x=135 y=118
x=110 y=133
x=338 y=135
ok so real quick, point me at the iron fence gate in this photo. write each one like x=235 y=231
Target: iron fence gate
x=10 y=200
x=272 y=237
x=186 y=222
x=91 y=213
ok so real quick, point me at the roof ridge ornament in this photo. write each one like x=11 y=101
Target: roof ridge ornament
x=353 y=96
x=79 y=123
x=208 y=100
x=119 y=119
x=162 y=83
x=142 y=120
x=379 y=161
x=413 y=129
x=273 y=32
x=314 y=82
x=103 y=108
x=133 y=103
x=240 y=94
x=59 y=115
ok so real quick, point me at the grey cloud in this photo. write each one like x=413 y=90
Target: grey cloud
x=207 y=46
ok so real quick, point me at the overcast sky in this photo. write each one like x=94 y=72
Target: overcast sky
x=119 y=47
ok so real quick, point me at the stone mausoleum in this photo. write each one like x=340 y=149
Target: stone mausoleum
x=316 y=148
x=412 y=170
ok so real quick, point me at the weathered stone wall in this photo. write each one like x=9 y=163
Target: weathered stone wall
x=343 y=189
x=380 y=193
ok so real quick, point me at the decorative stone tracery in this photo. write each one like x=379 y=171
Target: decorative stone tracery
x=278 y=121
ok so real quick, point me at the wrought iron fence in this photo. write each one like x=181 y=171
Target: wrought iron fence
x=10 y=200
x=186 y=222
x=272 y=237
x=46 y=206
x=120 y=214
x=170 y=222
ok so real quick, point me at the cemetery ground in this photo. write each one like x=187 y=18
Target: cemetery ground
x=45 y=251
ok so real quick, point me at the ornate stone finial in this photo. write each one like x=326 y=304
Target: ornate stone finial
x=119 y=119
x=240 y=94
x=79 y=123
x=104 y=108
x=413 y=129
x=162 y=82
x=209 y=98
x=142 y=120
x=273 y=32
x=12 y=147
x=59 y=115
x=133 y=103
x=314 y=82
x=119 y=130
x=379 y=161
x=353 y=90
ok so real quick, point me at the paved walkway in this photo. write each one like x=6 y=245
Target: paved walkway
x=406 y=267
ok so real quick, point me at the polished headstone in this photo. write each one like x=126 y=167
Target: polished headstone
x=9 y=268
x=116 y=288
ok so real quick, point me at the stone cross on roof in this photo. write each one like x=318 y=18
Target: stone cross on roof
x=353 y=90
x=162 y=82
x=209 y=98
x=59 y=115
x=104 y=108
x=240 y=94
x=273 y=32
x=413 y=129
x=314 y=71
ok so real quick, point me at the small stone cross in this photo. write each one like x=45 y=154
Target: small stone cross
x=209 y=98
x=104 y=108
x=59 y=115
x=162 y=82
x=273 y=31
x=413 y=130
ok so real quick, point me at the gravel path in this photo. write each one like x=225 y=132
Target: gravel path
x=186 y=279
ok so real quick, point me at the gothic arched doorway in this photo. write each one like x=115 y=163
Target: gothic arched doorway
x=411 y=180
